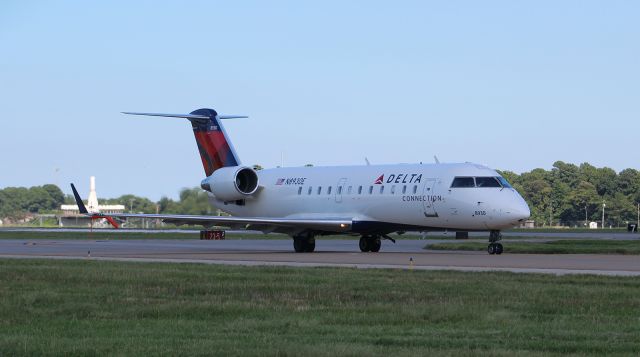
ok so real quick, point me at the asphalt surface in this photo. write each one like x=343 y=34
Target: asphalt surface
x=405 y=254
x=595 y=234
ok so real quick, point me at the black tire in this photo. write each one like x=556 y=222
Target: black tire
x=310 y=245
x=375 y=245
x=491 y=249
x=499 y=248
x=364 y=244
x=298 y=245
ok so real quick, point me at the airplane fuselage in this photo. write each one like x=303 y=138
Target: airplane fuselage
x=385 y=198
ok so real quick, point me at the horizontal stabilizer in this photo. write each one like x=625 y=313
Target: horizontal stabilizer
x=186 y=116
x=233 y=116
x=213 y=143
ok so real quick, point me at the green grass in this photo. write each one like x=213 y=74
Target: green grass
x=574 y=246
x=568 y=230
x=89 y=307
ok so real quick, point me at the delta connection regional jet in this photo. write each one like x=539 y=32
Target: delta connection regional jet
x=370 y=201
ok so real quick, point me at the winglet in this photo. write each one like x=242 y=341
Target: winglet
x=83 y=209
x=79 y=202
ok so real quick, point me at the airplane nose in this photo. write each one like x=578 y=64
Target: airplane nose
x=521 y=211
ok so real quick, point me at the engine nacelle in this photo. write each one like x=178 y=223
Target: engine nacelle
x=231 y=183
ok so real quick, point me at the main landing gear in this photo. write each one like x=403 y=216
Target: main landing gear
x=495 y=247
x=305 y=243
x=370 y=244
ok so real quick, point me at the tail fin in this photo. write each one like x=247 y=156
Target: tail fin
x=216 y=150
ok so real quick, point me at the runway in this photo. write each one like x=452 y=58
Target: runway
x=589 y=234
x=405 y=254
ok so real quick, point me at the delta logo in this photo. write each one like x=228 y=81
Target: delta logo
x=399 y=178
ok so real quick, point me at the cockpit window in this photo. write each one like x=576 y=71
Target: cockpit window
x=463 y=182
x=503 y=182
x=487 y=182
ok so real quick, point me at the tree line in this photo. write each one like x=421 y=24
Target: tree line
x=190 y=201
x=567 y=194
x=571 y=195
x=17 y=202
x=20 y=202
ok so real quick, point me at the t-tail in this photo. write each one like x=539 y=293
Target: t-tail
x=215 y=148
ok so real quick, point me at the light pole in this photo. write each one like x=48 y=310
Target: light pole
x=550 y=215
x=586 y=217
x=603 y=206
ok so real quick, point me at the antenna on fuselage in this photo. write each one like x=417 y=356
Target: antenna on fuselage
x=367 y=161
x=436 y=158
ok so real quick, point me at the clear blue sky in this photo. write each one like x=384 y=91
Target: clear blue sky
x=514 y=85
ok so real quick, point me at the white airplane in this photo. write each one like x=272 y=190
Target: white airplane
x=370 y=201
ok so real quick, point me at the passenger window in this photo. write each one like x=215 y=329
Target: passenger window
x=370 y=190
x=349 y=190
x=393 y=189
x=329 y=190
x=300 y=190
x=319 y=189
x=415 y=189
x=382 y=189
x=487 y=182
x=359 y=190
x=310 y=189
x=461 y=182
x=404 y=189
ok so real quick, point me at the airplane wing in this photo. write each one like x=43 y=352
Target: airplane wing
x=265 y=224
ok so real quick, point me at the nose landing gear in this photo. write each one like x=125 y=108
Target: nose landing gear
x=495 y=247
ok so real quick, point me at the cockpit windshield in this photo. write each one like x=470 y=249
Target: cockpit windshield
x=487 y=182
x=482 y=181
x=504 y=182
x=463 y=182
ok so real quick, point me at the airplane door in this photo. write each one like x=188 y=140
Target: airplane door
x=340 y=189
x=429 y=198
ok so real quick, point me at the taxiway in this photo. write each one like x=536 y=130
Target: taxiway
x=406 y=254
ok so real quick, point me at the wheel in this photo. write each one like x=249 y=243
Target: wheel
x=310 y=245
x=491 y=248
x=364 y=244
x=375 y=245
x=298 y=245
x=499 y=248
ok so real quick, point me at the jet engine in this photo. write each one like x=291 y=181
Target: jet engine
x=231 y=183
